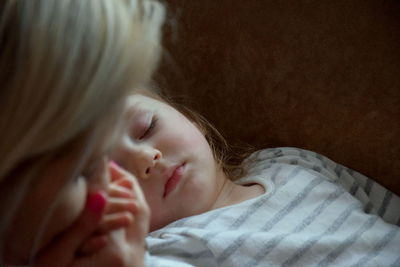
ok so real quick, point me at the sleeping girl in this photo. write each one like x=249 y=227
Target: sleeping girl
x=278 y=207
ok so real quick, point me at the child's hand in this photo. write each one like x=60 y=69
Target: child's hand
x=122 y=205
x=62 y=251
x=119 y=214
x=115 y=235
x=127 y=211
x=137 y=205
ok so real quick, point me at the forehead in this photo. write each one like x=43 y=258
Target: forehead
x=140 y=103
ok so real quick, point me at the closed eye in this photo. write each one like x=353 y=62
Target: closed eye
x=150 y=128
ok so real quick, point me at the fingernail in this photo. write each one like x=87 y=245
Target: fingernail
x=96 y=202
x=114 y=164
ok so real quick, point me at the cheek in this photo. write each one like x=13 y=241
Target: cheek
x=72 y=199
x=187 y=140
x=160 y=211
x=38 y=205
x=198 y=193
x=152 y=193
x=70 y=205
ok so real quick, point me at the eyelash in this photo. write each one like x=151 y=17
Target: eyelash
x=150 y=128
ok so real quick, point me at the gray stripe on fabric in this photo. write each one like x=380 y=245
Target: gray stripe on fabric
x=255 y=206
x=348 y=242
x=248 y=212
x=260 y=156
x=317 y=168
x=318 y=210
x=244 y=216
x=254 y=171
x=396 y=263
x=377 y=248
x=312 y=241
x=300 y=227
x=322 y=161
x=278 y=153
x=354 y=187
x=294 y=162
x=208 y=237
x=236 y=244
x=259 y=160
x=318 y=156
x=291 y=175
x=350 y=171
x=368 y=207
x=266 y=249
x=292 y=204
x=302 y=154
x=279 y=216
x=211 y=218
x=338 y=170
x=368 y=187
x=385 y=203
x=194 y=255
x=325 y=165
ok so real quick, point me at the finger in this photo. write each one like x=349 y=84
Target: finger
x=125 y=183
x=115 y=221
x=140 y=199
x=116 y=171
x=122 y=204
x=139 y=229
x=137 y=190
x=93 y=245
x=115 y=190
x=63 y=249
x=118 y=252
x=102 y=259
x=120 y=176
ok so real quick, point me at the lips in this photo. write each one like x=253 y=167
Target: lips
x=173 y=179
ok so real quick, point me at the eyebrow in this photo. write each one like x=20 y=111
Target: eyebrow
x=132 y=108
x=137 y=109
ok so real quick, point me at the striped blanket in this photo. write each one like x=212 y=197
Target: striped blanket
x=314 y=213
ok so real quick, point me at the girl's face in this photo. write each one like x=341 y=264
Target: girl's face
x=55 y=186
x=171 y=159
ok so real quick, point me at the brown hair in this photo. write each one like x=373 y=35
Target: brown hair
x=228 y=156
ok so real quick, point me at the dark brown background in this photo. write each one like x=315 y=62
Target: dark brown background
x=320 y=75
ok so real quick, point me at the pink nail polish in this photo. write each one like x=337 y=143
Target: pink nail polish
x=114 y=164
x=96 y=202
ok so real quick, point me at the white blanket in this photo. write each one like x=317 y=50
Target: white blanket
x=314 y=213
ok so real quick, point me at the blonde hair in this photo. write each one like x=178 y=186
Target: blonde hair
x=65 y=68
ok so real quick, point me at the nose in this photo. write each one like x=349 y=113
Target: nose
x=146 y=159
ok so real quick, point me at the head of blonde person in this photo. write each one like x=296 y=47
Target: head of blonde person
x=66 y=68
